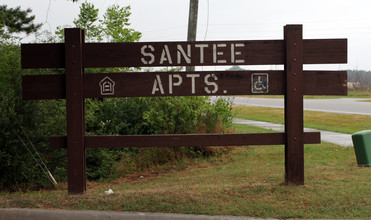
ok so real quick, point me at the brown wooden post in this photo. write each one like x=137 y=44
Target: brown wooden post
x=74 y=38
x=294 y=148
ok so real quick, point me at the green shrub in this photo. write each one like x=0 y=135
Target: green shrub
x=120 y=116
x=23 y=120
x=165 y=115
x=124 y=116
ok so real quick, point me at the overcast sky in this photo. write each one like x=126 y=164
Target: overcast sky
x=166 y=20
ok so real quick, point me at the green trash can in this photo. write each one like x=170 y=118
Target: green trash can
x=362 y=147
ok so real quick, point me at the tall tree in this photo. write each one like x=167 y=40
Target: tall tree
x=114 y=27
x=87 y=20
x=116 y=22
x=15 y=20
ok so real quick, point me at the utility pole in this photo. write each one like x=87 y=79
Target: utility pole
x=192 y=25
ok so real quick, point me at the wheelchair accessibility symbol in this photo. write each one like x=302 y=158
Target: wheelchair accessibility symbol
x=259 y=83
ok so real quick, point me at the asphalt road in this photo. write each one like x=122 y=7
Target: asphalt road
x=57 y=214
x=342 y=105
x=337 y=138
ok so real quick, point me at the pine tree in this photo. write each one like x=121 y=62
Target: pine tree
x=15 y=20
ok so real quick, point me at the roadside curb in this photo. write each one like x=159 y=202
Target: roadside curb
x=43 y=214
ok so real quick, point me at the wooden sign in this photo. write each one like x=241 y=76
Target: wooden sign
x=74 y=55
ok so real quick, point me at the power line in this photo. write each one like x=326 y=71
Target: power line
x=47 y=12
x=47 y=15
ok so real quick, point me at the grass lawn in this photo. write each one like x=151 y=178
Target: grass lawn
x=359 y=94
x=248 y=181
x=319 y=120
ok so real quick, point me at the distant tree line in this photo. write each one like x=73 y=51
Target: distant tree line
x=359 y=79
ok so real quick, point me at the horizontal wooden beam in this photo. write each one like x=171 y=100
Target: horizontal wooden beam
x=185 y=140
x=146 y=84
x=210 y=83
x=43 y=55
x=205 y=53
x=36 y=87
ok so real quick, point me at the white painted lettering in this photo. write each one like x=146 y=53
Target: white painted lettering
x=146 y=54
x=201 y=46
x=165 y=55
x=171 y=83
x=181 y=52
x=216 y=53
x=232 y=53
x=193 y=78
x=207 y=82
x=157 y=85
x=236 y=53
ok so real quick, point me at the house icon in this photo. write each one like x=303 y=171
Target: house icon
x=107 y=86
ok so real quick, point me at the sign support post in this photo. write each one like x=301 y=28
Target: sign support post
x=294 y=147
x=76 y=172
